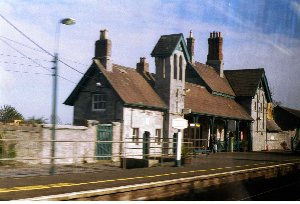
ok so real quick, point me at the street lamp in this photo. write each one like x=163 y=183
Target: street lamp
x=65 y=21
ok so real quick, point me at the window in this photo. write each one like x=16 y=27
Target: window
x=255 y=108
x=261 y=107
x=98 y=102
x=180 y=68
x=164 y=68
x=158 y=136
x=175 y=67
x=135 y=135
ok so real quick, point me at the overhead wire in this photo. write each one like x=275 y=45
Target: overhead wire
x=38 y=64
x=44 y=50
x=24 y=35
x=22 y=64
x=22 y=44
x=14 y=41
x=15 y=56
x=28 y=38
x=26 y=72
x=21 y=53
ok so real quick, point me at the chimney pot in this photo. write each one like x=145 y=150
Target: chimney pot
x=142 y=59
x=215 y=52
x=103 y=50
x=190 y=42
x=142 y=66
x=103 y=34
x=191 y=34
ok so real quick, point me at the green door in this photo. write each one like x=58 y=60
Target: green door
x=104 y=142
x=146 y=145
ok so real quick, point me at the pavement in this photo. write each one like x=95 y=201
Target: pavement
x=33 y=181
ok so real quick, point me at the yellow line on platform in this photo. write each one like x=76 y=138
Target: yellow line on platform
x=61 y=185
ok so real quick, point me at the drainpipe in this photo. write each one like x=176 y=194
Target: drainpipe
x=238 y=135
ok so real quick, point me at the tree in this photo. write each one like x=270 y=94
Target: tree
x=33 y=120
x=8 y=114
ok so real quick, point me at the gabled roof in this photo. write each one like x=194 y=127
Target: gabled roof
x=132 y=88
x=245 y=82
x=167 y=44
x=200 y=101
x=212 y=79
x=294 y=112
x=272 y=126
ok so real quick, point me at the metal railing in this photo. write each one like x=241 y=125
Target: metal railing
x=32 y=156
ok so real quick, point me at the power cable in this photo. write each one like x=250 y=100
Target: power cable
x=25 y=55
x=37 y=73
x=28 y=38
x=26 y=72
x=6 y=38
x=22 y=64
x=14 y=56
x=22 y=33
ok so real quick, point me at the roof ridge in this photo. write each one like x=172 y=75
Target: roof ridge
x=248 y=69
x=206 y=65
x=123 y=67
x=195 y=85
x=290 y=110
x=174 y=34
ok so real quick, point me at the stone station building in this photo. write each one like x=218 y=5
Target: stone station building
x=226 y=107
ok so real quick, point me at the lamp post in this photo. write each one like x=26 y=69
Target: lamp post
x=65 y=21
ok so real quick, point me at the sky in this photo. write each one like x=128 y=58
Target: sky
x=256 y=34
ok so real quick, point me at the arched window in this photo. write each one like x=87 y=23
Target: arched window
x=180 y=68
x=175 y=66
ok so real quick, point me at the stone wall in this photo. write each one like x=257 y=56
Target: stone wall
x=32 y=144
x=275 y=139
x=259 y=114
x=21 y=141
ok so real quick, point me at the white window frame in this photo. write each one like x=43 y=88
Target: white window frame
x=101 y=101
x=135 y=135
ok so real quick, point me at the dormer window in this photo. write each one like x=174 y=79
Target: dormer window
x=98 y=102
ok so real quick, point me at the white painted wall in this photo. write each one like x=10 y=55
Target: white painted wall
x=145 y=120
x=75 y=144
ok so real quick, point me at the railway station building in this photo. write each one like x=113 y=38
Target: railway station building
x=227 y=107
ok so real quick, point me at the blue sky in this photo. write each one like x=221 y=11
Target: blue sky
x=257 y=33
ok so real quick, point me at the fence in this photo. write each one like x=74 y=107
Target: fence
x=8 y=151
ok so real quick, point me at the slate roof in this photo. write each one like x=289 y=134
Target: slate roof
x=213 y=79
x=244 y=82
x=167 y=44
x=131 y=86
x=272 y=126
x=202 y=102
x=292 y=111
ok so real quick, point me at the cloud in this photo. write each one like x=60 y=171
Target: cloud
x=296 y=7
x=134 y=28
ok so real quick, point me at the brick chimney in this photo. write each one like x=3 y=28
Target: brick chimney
x=215 y=53
x=103 y=50
x=143 y=65
x=190 y=41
